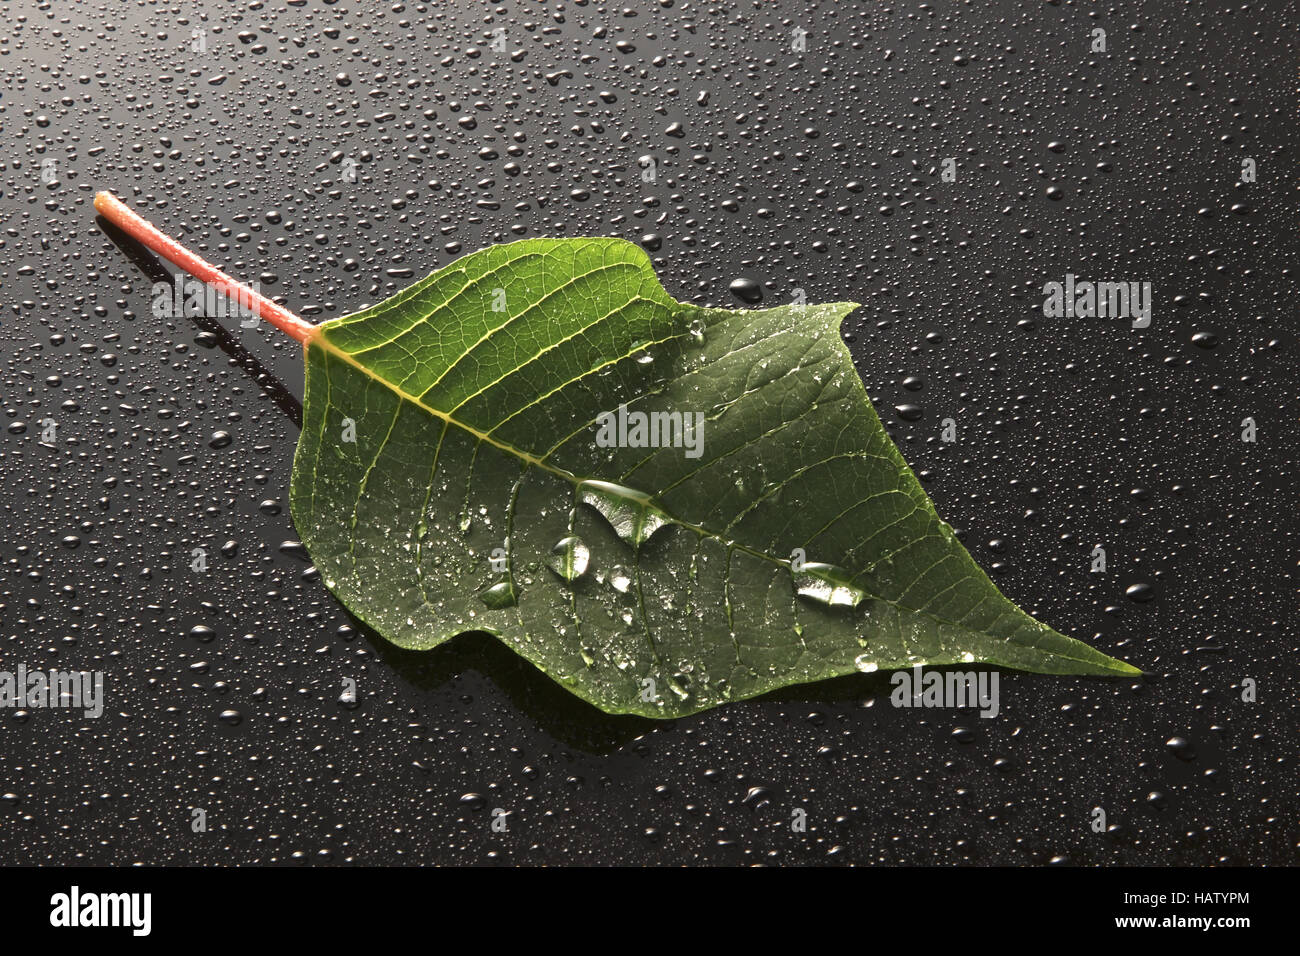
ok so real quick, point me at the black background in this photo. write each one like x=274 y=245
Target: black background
x=817 y=171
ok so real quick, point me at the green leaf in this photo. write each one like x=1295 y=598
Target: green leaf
x=648 y=580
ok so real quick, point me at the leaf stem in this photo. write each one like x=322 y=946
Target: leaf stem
x=122 y=216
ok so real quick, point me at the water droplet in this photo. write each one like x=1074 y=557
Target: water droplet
x=500 y=595
x=746 y=290
x=676 y=684
x=630 y=512
x=1181 y=748
x=865 y=664
x=1140 y=592
x=827 y=584
x=569 y=558
x=619 y=577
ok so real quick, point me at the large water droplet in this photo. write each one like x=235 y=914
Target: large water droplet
x=500 y=595
x=569 y=558
x=747 y=290
x=620 y=578
x=827 y=584
x=629 y=512
x=865 y=664
x=679 y=685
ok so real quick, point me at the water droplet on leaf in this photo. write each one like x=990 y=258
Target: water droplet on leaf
x=827 y=584
x=630 y=512
x=500 y=595
x=569 y=558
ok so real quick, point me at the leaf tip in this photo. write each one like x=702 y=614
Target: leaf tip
x=837 y=312
x=1118 y=668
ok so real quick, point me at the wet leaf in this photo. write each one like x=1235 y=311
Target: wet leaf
x=455 y=474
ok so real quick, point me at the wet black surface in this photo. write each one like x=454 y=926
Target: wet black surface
x=817 y=170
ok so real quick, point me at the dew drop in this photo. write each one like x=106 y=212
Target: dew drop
x=620 y=578
x=746 y=290
x=500 y=595
x=827 y=584
x=569 y=558
x=1140 y=592
x=629 y=512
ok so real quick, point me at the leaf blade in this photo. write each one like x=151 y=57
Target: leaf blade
x=584 y=326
